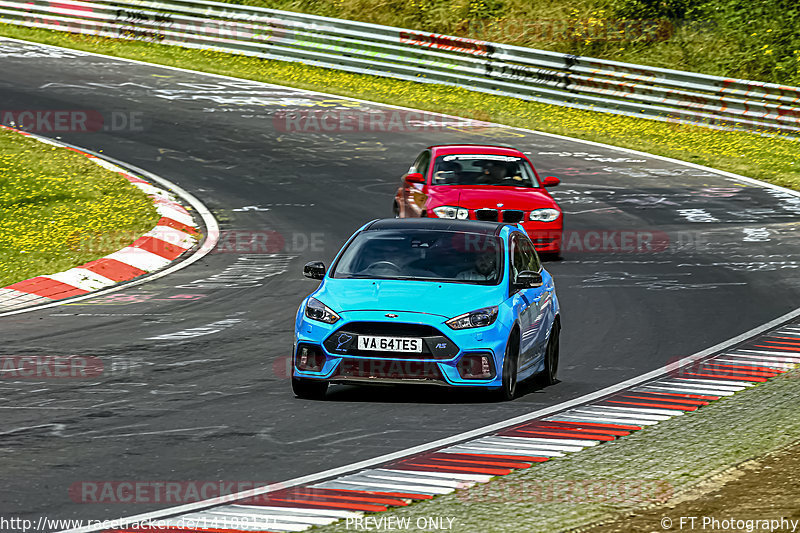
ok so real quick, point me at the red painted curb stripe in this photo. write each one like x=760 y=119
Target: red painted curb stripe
x=752 y=367
x=657 y=405
x=596 y=424
x=174 y=224
x=754 y=372
x=49 y=288
x=406 y=495
x=559 y=434
x=304 y=504
x=529 y=458
x=730 y=372
x=336 y=505
x=667 y=400
x=458 y=458
x=727 y=377
x=678 y=394
x=641 y=395
x=157 y=246
x=314 y=494
x=593 y=431
x=778 y=348
x=336 y=498
x=113 y=269
x=735 y=372
x=422 y=467
x=791 y=343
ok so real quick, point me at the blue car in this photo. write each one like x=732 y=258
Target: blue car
x=459 y=303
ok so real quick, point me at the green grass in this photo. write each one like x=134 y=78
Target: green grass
x=772 y=159
x=59 y=210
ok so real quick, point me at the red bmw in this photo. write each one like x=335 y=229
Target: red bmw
x=479 y=182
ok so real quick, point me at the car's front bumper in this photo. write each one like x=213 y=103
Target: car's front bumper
x=445 y=349
x=546 y=236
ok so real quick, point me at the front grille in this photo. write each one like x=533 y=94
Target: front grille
x=435 y=345
x=488 y=215
x=513 y=216
x=390 y=329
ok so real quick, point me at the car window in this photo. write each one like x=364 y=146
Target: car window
x=523 y=256
x=483 y=169
x=422 y=163
x=516 y=258
x=530 y=259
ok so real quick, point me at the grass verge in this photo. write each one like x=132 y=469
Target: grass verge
x=754 y=495
x=772 y=159
x=58 y=209
x=626 y=476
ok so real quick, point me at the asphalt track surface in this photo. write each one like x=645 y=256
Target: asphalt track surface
x=195 y=385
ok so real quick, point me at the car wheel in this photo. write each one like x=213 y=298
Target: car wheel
x=551 y=357
x=508 y=389
x=310 y=389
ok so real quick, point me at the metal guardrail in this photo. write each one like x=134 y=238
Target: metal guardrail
x=525 y=73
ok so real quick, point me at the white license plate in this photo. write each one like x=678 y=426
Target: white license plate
x=389 y=344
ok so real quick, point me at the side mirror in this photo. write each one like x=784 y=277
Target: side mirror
x=551 y=181
x=314 y=270
x=528 y=279
x=415 y=177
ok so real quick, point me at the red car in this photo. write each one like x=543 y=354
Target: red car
x=479 y=182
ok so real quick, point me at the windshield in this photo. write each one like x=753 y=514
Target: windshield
x=426 y=255
x=476 y=169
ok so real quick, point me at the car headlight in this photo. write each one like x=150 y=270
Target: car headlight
x=316 y=310
x=475 y=319
x=544 y=215
x=447 y=211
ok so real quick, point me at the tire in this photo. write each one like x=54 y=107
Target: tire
x=549 y=374
x=508 y=389
x=395 y=210
x=310 y=389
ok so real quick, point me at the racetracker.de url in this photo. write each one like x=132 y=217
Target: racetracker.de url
x=24 y=525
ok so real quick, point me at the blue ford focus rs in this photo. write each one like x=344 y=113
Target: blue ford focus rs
x=458 y=303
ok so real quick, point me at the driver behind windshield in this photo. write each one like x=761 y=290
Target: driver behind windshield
x=379 y=255
x=485 y=268
x=494 y=172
